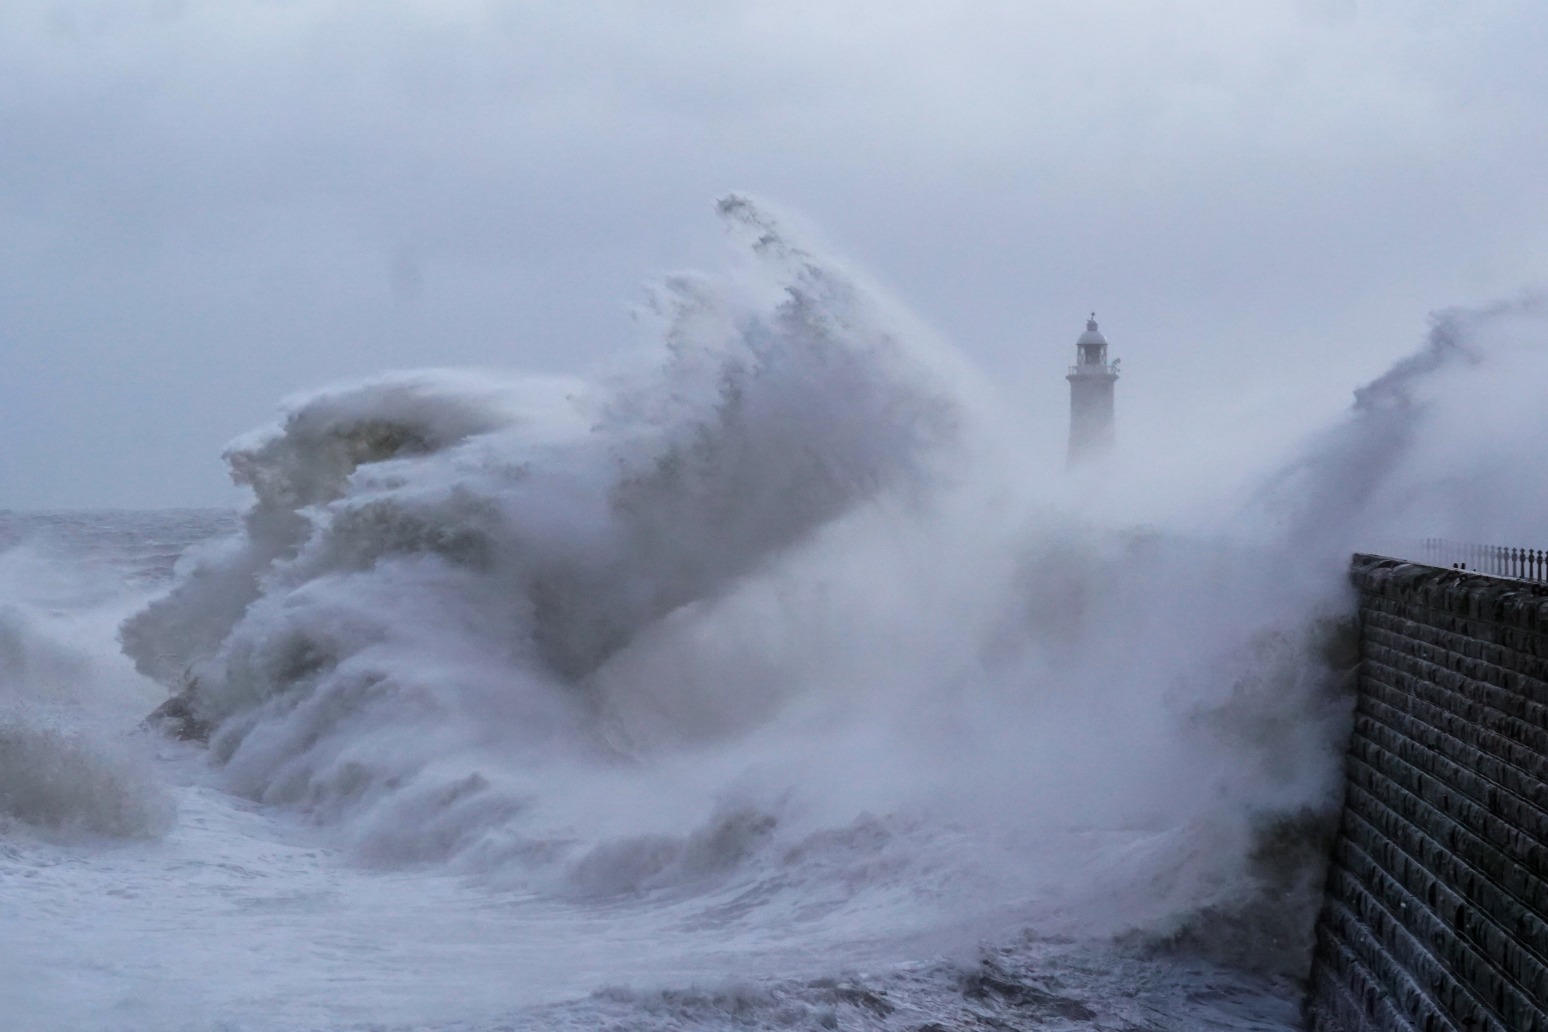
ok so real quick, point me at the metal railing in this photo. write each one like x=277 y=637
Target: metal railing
x=1530 y=564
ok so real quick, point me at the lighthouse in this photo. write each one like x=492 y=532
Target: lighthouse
x=1091 y=396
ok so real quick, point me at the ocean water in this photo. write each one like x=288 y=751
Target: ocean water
x=754 y=682
x=141 y=891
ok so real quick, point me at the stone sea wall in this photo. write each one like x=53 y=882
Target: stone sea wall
x=1436 y=912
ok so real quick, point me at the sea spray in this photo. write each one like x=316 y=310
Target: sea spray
x=770 y=633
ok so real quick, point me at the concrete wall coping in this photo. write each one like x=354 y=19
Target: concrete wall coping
x=1481 y=596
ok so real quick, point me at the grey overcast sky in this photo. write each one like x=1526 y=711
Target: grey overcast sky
x=208 y=204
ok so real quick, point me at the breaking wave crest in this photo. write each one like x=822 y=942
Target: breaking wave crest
x=67 y=768
x=72 y=784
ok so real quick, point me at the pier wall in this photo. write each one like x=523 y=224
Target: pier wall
x=1435 y=917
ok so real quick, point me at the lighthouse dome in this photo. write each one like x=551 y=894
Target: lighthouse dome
x=1092 y=334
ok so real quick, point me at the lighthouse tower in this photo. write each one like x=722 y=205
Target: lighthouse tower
x=1091 y=396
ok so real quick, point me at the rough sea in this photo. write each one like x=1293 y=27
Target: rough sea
x=747 y=685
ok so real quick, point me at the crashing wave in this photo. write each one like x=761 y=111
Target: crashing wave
x=767 y=621
x=439 y=570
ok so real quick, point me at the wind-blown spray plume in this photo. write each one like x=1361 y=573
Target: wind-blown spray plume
x=1444 y=444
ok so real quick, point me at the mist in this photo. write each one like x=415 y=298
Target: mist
x=210 y=206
